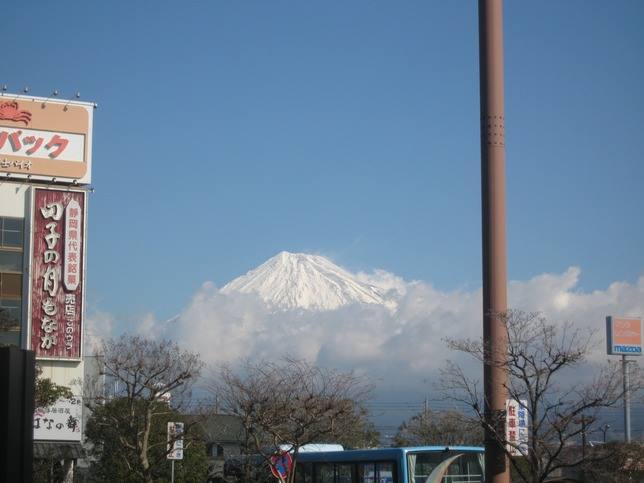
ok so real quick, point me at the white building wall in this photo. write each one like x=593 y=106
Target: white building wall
x=13 y=199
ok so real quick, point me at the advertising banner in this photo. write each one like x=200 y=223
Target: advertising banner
x=516 y=430
x=624 y=336
x=57 y=273
x=45 y=139
x=175 y=441
x=59 y=422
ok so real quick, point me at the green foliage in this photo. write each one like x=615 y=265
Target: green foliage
x=48 y=392
x=114 y=444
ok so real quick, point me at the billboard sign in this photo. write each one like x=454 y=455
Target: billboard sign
x=62 y=421
x=57 y=273
x=623 y=336
x=516 y=426
x=175 y=441
x=45 y=139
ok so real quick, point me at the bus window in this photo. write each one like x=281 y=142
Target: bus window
x=304 y=473
x=444 y=467
x=466 y=467
x=324 y=473
x=366 y=472
x=385 y=473
x=343 y=473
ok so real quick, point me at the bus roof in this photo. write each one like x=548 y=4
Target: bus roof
x=380 y=453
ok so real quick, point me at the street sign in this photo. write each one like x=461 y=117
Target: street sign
x=281 y=465
x=175 y=441
x=624 y=336
x=516 y=426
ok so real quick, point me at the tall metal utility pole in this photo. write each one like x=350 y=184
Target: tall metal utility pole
x=494 y=244
x=627 y=400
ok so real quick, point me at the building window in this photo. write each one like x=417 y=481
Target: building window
x=11 y=232
x=11 y=260
x=215 y=450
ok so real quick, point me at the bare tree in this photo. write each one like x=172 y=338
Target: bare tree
x=617 y=462
x=448 y=428
x=152 y=379
x=292 y=403
x=560 y=412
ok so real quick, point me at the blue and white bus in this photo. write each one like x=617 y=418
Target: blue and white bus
x=423 y=464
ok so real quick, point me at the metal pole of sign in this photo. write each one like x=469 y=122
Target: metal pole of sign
x=172 y=474
x=495 y=375
x=627 y=400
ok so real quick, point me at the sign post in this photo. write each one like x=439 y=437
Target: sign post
x=624 y=337
x=281 y=465
x=175 y=444
x=495 y=305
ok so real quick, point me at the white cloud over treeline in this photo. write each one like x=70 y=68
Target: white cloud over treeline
x=402 y=345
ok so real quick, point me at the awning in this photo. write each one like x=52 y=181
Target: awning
x=64 y=450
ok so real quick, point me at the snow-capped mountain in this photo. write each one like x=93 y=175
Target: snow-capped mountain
x=301 y=281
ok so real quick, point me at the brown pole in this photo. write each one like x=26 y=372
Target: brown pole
x=494 y=244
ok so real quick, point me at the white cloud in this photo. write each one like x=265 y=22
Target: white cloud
x=403 y=346
x=400 y=346
x=391 y=284
x=99 y=325
x=148 y=326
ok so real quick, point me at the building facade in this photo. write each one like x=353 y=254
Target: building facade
x=45 y=174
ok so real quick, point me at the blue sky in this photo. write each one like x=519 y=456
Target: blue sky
x=229 y=131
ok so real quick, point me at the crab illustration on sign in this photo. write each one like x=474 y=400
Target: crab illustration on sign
x=10 y=111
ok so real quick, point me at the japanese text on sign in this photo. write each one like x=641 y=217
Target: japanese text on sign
x=175 y=441
x=51 y=276
x=59 y=422
x=57 y=273
x=516 y=431
x=32 y=143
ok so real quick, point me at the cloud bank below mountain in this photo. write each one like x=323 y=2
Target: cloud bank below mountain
x=399 y=347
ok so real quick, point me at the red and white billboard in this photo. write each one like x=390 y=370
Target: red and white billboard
x=45 y=139
x=57 y=273
x=516 y=426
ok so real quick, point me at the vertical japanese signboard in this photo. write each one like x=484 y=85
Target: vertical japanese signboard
x=516 y=430
x=175 y=441
x=624 y=336
x=57 y=273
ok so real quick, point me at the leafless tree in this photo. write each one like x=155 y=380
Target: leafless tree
x=151 y=379
x=617 y=462
x=448 y=428
x=292 y=403
x=561 y=412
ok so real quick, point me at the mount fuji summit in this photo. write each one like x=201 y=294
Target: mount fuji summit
x=290 y=281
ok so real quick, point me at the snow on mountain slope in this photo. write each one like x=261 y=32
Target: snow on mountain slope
x=301 y=281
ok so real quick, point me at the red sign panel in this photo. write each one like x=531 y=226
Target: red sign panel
x=57 y=273
x=281 y=465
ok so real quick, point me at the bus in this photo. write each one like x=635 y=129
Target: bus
x=422 y=464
